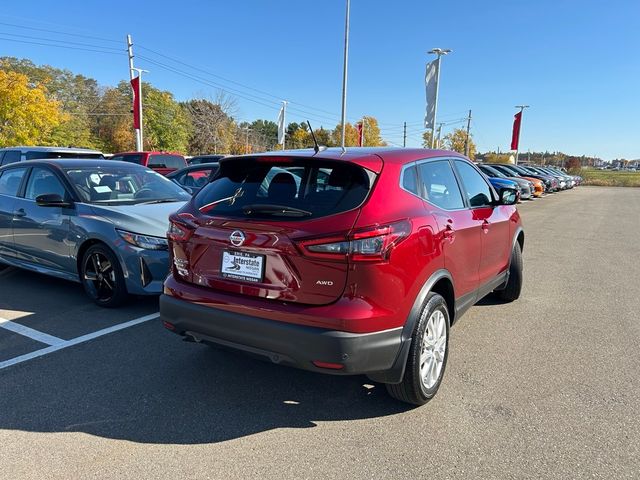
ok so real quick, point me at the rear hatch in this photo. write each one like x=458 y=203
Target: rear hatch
x=247 y=228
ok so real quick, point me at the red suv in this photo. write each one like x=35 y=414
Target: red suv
x=162 y=162
x=344 y=263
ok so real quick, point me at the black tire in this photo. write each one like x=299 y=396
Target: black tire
x=102 y=278
x=412 y=389
x=512 y=289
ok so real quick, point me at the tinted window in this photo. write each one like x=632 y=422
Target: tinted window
x=10 y=181
x=45 y=155
x=410 y=179
x=42 y=181
x=166 y=161
x=137 y=159
x=439 y=185
x=475 y=187
x=11 y=156
x=297 y=189
x=195 y=178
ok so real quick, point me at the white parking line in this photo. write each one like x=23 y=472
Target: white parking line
x=30 y=332
x=76 y=341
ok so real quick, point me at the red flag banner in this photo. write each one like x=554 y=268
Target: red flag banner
x=360 y=132
x=515 y=136
x=135 y=85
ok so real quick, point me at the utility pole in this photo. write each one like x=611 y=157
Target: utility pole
x=467 y=143
x=404 y=135
x=131 y=76
x=521 y=107
x=344 y=74
x=439 y=52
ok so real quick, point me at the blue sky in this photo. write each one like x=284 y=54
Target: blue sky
x=577 y=63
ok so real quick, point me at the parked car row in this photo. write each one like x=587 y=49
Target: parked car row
x=342 y=263
x=532 y=181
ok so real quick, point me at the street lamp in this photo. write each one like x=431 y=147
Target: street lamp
x=439 y=52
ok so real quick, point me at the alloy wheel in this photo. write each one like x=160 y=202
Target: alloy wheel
x=99 y=273
x=434 y=345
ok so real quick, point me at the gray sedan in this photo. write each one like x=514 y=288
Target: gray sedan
x=99 y=222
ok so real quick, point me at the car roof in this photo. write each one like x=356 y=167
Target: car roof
x=65 y=163
x=368 y=157
x=51 y=149
x=150 y=152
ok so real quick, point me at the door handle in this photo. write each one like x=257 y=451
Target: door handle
x=20 y=213
x=449 y=232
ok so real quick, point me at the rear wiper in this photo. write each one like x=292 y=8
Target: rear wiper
x=281 y=210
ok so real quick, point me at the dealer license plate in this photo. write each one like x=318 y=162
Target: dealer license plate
x=248 y=267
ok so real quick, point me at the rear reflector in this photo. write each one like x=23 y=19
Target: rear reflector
x=332 y=366
x=168 y=326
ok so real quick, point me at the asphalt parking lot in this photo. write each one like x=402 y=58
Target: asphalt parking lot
x=546 y=387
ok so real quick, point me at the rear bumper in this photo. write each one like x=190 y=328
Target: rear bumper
x=284 y=343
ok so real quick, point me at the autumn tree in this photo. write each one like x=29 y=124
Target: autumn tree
x=371 y=134
x=497 y=158
x=426 y=139
x=456 y=141
x=213 y=129
x=27 y=116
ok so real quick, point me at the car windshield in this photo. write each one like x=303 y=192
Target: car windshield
x=122 y=185
x=491 y=171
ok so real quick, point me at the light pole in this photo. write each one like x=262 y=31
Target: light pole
x=344 y=73
x=439 y=52
x=140 y=70
x=521 y=107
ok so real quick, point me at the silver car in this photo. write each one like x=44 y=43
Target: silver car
x=99 y=222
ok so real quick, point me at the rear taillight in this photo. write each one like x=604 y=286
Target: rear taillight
x=365 y=245
x=180 y=227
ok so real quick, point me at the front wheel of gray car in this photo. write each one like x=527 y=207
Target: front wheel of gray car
x=102 y=277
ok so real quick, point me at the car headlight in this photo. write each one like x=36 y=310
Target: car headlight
x=144 y=241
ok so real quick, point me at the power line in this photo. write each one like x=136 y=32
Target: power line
x=59 y=32
x=61 y=41
x=59 y=46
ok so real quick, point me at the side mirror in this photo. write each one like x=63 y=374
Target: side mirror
x=508 y=196
x=52 y=200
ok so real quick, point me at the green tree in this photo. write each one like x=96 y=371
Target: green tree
x=27 y=116
x=166 y=125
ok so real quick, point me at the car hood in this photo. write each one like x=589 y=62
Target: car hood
x=519 y=181
x=152 y=219
x=502 y=182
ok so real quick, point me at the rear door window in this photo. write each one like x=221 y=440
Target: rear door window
x=266 y=188
x=439 y=185
x=10 y=181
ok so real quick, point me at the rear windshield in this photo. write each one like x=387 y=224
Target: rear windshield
x=166 y=161
x=297 y=189
x=47 y=155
